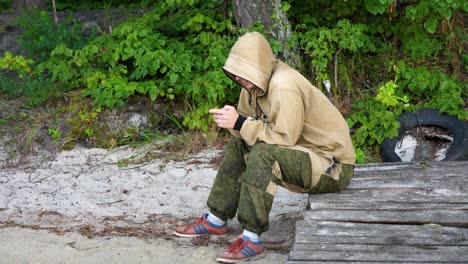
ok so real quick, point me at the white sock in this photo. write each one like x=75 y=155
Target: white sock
x=215 y=220
x=251 y=236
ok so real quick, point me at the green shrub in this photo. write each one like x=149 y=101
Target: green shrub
x=321 y=44
x=41 y=35
x=364 y=44
x=163 y=55
x=376 y=117
x=5 y=5
x=390 y=56
x=91 y=4
x=19 y=79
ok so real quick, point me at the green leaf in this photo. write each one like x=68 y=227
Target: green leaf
x=431 y=25
x=173 y=78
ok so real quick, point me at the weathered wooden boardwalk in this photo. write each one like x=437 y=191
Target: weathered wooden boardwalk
x=391 y=213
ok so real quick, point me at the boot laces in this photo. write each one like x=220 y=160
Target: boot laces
x=197 y=221
x=237 y=246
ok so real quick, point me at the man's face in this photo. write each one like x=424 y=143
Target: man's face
x=248 y=85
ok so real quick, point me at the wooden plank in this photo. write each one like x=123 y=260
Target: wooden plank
x=402 y=195
x=381 y=217
x=418 y=174
x=311 y=231
x=294 y=261
x=376 y=256
x=430 y=250
x=364 y=204
x=412 y=175
x=400 y=180
x=305 y=237
x=442 y=217
x=325 y=241
x=425 y=230
x=402 y=198
x=459 y=166
x=409 y=181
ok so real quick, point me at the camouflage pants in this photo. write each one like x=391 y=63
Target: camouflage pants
x=246 y=186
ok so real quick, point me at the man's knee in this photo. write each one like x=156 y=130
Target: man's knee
x=261 y=150
x=233 y=163
x=236 y=143
x=259 y=165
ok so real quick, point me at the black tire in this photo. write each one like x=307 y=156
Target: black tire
x=430 y=117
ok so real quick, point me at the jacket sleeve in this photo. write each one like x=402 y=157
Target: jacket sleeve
x=285 y=123
x=243 y=109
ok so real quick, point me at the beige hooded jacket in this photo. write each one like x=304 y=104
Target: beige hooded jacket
x=286 y=109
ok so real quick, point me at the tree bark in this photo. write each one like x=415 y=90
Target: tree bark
x=19 y=5
x=248 y=12
x=54 y=9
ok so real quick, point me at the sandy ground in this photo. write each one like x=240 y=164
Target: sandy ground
x=84 y=206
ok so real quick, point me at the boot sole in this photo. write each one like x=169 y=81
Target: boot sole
x=196 y=235
x=256 y=257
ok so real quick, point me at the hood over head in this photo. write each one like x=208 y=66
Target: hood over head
x=252 y=59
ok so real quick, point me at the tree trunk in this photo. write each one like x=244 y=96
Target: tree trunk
x=19 y=5
x=248 y=12
x=54 y=9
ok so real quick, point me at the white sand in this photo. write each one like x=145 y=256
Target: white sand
x=86 y=187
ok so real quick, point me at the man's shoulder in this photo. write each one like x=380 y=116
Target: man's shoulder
x=286 y=77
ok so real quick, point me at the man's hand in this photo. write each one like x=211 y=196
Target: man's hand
x=225 y=117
